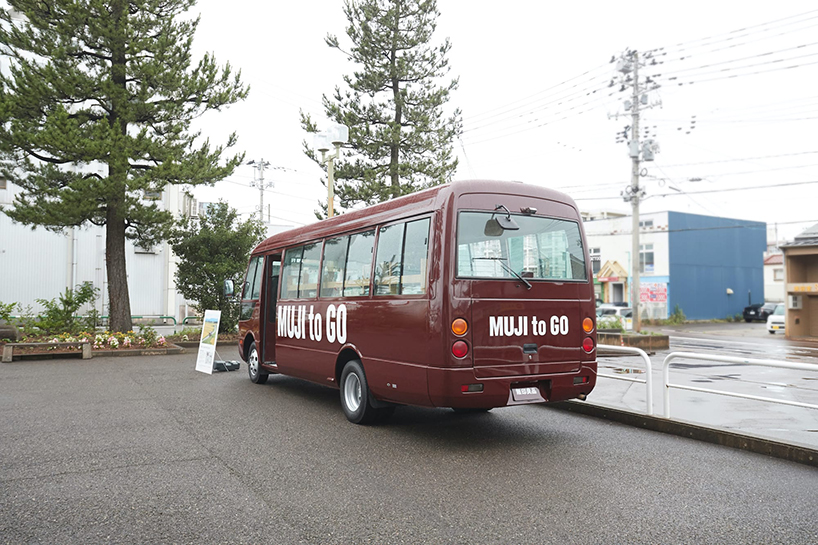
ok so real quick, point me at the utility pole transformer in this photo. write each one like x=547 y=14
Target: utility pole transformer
x=628 y=65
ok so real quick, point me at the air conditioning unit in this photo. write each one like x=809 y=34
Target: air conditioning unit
x=795 y=302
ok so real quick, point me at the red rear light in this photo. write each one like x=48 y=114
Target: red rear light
x=460 y=349
x=588 y=344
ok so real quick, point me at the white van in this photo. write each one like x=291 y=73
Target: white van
x=625 y=314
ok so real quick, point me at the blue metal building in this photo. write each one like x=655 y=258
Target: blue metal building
x=716 y=264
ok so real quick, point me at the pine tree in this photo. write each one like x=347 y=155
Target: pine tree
x=109 y=82
x=400 y=139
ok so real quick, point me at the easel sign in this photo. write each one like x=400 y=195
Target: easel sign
x=207 y=344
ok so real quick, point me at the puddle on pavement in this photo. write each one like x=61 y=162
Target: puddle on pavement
x=627 y=371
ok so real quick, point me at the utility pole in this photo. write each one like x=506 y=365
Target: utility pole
x=628 y=65
x=259 y=167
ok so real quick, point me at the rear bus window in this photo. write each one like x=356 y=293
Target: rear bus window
x=542 y=248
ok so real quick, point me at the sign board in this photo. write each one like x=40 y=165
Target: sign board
x=803 y=287
x=207 y=344
x=653 y=292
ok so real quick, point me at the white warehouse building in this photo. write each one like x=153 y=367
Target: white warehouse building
x=40 y=264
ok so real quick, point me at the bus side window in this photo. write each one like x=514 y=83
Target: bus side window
x=359 y=264
x=308 y=283
x=415 y=255
x=291 y=270
x=332 y=273
x=387 y=260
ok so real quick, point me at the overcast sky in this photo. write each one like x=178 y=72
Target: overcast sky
x=536 y=103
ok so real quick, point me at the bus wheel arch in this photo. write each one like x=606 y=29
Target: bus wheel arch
x=249 y=339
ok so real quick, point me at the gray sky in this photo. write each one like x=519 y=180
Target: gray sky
x=527 y=71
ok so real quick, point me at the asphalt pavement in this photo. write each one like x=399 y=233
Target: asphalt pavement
x=147 y=450
x=778 y=422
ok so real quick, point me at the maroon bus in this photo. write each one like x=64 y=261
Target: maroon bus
x=469 y=295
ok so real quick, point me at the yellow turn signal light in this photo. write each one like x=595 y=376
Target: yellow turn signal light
x=588 y=325
x=459 y=327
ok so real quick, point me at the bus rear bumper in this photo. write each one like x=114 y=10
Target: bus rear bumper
x=459 y=388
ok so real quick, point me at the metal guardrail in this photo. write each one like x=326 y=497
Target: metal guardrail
x=648 y=370
x=197 y=318
x=730 y=359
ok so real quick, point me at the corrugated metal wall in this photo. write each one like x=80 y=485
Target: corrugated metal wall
x=708 y=256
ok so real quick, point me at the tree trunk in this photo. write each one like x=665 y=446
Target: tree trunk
x=118 y=299
x=394 y=156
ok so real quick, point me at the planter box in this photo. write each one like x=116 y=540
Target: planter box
x=8 y=349
x=648 y=343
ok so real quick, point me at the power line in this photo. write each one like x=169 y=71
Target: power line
x=724 y=190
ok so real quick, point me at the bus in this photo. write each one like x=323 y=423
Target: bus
x=470 y=295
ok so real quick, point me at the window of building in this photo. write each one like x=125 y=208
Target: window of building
x=646 y=224
x=3 y=183
x=646 y=258
x=778 y=275
x=596 y=259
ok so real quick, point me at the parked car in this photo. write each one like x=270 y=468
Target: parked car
x=758 y=312
x=775 y=321
x=611 y=311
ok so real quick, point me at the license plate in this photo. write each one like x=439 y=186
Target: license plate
x=776 y=327
x=528 y=393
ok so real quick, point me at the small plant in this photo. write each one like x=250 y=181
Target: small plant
x=5 y=311
x=611 y=322
x=60 y=315
x=677 y=317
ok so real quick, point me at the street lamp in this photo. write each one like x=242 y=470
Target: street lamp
x=336 y=135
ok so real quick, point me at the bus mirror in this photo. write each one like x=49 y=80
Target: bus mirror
x=495 y=227
x=228 y=288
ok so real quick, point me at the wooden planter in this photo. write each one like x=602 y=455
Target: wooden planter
x=648 y=343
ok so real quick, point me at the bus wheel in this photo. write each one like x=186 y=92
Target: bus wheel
x=355 y=396
x=257 y=376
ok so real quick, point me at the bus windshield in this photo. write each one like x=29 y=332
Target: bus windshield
x=541 y=249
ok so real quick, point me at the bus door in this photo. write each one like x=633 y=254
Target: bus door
x=270 y=298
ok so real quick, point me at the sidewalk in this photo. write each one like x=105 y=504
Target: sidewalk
x=770 y=421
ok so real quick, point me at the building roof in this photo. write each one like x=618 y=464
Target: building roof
x=774 y=259
x=809 y=237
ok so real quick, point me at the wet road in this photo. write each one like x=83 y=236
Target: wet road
x=789 y=424
x=122 y=450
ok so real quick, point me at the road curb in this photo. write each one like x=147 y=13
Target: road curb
x=793 y=453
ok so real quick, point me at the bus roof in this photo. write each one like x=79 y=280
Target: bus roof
x=408 y=205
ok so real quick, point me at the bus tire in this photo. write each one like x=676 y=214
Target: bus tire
x=257 y=376
x=356 y=397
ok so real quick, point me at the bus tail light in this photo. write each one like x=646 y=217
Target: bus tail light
x=588 y=325
x=580 y=380
x=588 y=345
x=466 y=388
x=459 y=327
x=460 y=349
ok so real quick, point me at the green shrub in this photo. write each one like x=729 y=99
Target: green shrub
x=60 y=314
x=677 y=317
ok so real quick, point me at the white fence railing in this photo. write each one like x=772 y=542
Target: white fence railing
x=673 y=356
x=648 y=370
